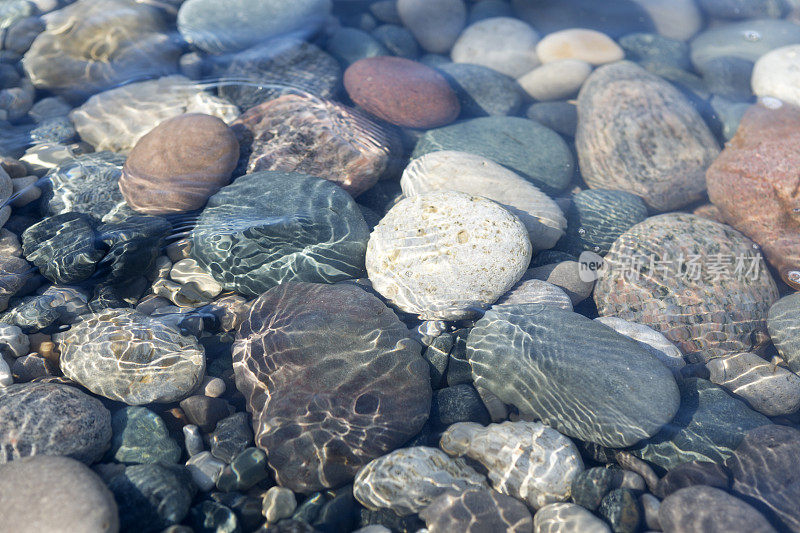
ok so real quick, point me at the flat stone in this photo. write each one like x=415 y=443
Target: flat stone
x=435 y=24
x=86 y=184
x=555 y=80
x=691 y=474
x=784 y=325
x=629 y=400
x=759 y=195
x=649 y=339
x=567 y=518
x=526 y=460
x=409 y=479
x=303 y=133
x=476 y=510
x=219 y=28
x=445 y=255
x=721 y=278
x=52 y=419
x=480 y=176
x=116 y=119
x=141 y=436
x=624 y=143
x=334 y=396
x=558 y=116
x=504 y=44
x=765 y=472
x=282 y=226
x=531 y=150
x=709 y=509
x=709 y=425
x=401 y=92
x=482 y=91
x=349 y=45
x=591 y=46
x=129 y=357
x=45 y=493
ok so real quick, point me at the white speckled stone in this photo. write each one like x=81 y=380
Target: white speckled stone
x=557 y=80
x=504 y=44
x=474 y=174
x=446 y=255
x=535 y=291
x=12 y=341
x=409 y=479
x=526 y=460
x=579 y=43
x=777 y=74
x=653 y=341
x=769 y=389
x=434 y=23
x=567 y=518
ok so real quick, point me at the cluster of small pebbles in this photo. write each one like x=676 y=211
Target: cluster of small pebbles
x=426 y=266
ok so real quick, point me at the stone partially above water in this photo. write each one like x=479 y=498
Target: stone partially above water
x=129 y=357
x=446 y=255
x=270 y=227
x=332 y=380
x=576 y=375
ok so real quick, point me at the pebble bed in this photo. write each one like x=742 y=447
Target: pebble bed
x=415 y=266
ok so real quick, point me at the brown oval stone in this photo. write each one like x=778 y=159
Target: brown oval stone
x=402 y=92
x=755 y=185
x=179 y=165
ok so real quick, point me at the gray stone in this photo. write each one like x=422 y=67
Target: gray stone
x=710 y=510
x=746 y=40
x=482 y=91
x=232 y=436
x=475 y=511
x=567 y=518
x=561 y=117
x=784 y=328
x=435 y=24
x=742 y=9
x=141 y=436
x=348 y=45
x=564 y=275
x=278 y=503
x=504 y=44
x=536 y=291
x=651 y=340
x=86 y=184
x=205 y=470
x=691 y=474
x=621 y=509
x=398 y=40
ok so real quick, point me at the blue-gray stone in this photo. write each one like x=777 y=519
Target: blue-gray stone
x=246 y=469
x=784 y=328
x=612 y=17
x=558 y=116
x=743 y=9
x=653 y=48
x=231 y=437
x=746 y=40
x=398 y=40
x=64 y=247
x=482 y=91
x=85 y=184
x=141 y=436
x=485 y=9
x=212 y=517
x=348 y=45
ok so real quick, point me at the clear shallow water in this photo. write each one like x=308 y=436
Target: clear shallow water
x=323 y=265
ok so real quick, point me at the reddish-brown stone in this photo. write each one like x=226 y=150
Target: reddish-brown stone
x=755 y=184
x=402 y=92
x=179 y=164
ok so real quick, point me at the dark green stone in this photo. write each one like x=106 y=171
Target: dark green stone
x=140 y=436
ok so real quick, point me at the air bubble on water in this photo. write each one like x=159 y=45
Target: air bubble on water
x=752 y=36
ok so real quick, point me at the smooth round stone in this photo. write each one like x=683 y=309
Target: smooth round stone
x=535 y=291
x=52 y=419
x=436 y=24
x=348 y=45
x=14 y=274
x=231 y=437
x=556 y=80
x=654 y=49
x=729 y=77
x=742 y=9
x=116 y=119
x=278 y=503
x=332 y=381
x=597 y=217
x=398 y=40
x=545 y=361
x=564 y=275
x=709 y=509
x=531 y=150
x=567 y=518
x=141 y=436
x=591 y=486
x=152 y=497
x=85 y=184
x=526 y=460
x=385 y=11
x=266 y=71
x=746 y=40
x=129 y=357
x=639 y=134
x=409 y=479
x=74 y=55
x=55 y=494
x=784 y=328
x=504 y=44
x=649 y=339
x=691 y=474
x=674 y=19
x=191 y=276
x=212 y=517
x=12 y=341
x=482 y=91
x=271 y=227
x=612 y=17
x=238 y=24
x=459 y=403
x=480 y=176
x=476 y=510
x=754 y=189
x=401 y=92
x=445 y=255
x=302 y=133
x=733 y=306
x=769 y=389
x=777 y=74
x=709 y=425
x=591 y=46
x=765 y=471
x=246 y=469
x=621 y=509
x=179 y=164
x=558 y=116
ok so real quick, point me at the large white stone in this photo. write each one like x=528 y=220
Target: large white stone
x=446 y=255
x=777 y=74
x=504 y=44
x=474 y=174
x=526 y=460
x=434 y=23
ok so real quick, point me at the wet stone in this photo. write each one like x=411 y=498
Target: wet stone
x=278 y=503
x=535 y=291
x=566 y=518
x=212 y=517
x=408 y=480
x=349 y=45
x=784 y=329
x=504 y=44
x=591 y=486
x=435 y=24
x=85 y=184
x=649 y=339
x=205 y=412
x=621 y=509
x=398 y=40
x=52 y=419
x=205 y=470
x=110 y=352
x=649 y=48
x=709 y=509
x=140 y=436
x=232 y=436
x=691 y=474
x=476 y=510
x=561 y=117
x=247 y=468
x=591 y=46
x=460 y=403
x=273 y=227
x=482 y=91
x=33 y=366
x=613 y=17
x=332 y=381
x=629 y=400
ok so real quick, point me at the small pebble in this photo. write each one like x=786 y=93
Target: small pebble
x=278 y=503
